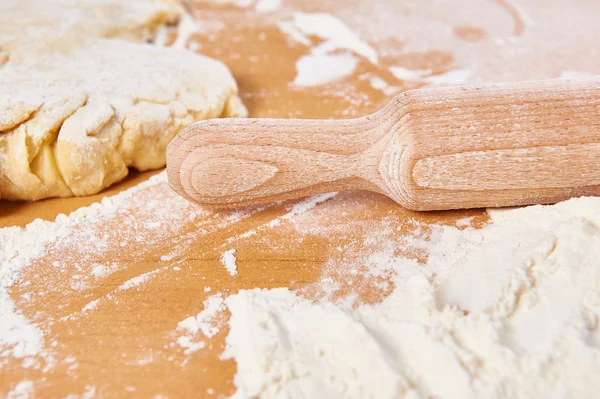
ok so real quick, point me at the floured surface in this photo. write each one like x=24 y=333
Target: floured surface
x=138 y=302
x=510 y=310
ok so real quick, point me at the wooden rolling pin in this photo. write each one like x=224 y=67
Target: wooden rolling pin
x=429 y=149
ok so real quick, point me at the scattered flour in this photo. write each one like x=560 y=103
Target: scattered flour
x=464 y=222
x=91 y=305
x=575 y=75
x=237 y=3
x=379 y=84
x=152 y=225
x=324 y=63
x=189 y=345
x=318 y=69
x=99 y=271
x=453 y=77
x=21 y=246
x=298 y=208
x=23 y=390
x=409 y=74
x=259 y=5
x=187 y=27
x=229 y=261
x=507 y=311
x=303 y=207
x=267 y=5
x=203 y=322
x=335 y=33
x=135 y=281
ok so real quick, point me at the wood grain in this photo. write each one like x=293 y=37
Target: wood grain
x=429 y=149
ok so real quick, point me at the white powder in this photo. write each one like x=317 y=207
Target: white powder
x=297 y=209
x=189 y=345
x=236 y=216
x=304 y=206
x=507 y=311
x=21 y=246
x=380 y=84
x=91 y=305
x=162 y=35
x=99 y=270
x=267 y=5
x=409 y=74
x=335 y=33
x=152 y=225
x=229 y=261
x=575 y=75
x=464 y=222
x=88 y=393
x=324 y=64
x=212 y=306
x=23 y=390
x=185 y=29
x=203 y=322
x=237 y=3
x=135 y=281
x=454 y=77
x=318 y=69
x=290 y=30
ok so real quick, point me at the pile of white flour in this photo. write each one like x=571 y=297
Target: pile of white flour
x=510 y=310
x=507 y=311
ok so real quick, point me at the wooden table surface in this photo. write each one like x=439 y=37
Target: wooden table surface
x=125 y=346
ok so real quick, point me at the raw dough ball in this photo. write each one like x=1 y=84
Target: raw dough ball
x=76 y=114
x=77 y=110
x=134 y=20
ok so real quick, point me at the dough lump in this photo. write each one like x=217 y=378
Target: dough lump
x=134 y=20
x=79 y=105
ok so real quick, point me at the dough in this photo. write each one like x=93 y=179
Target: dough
x=134 y=20
x=77 y=109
